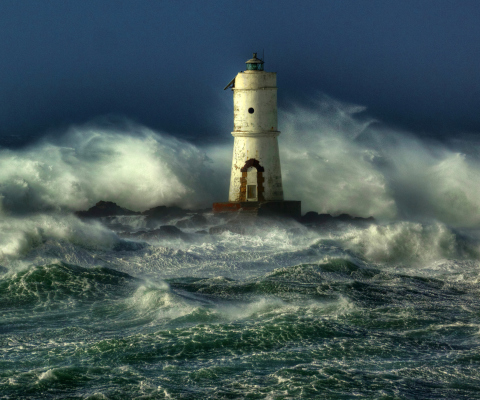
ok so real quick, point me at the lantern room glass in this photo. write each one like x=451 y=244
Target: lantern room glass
x=255 y=67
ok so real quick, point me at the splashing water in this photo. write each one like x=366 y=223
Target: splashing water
x=384 y=310
x=337 y=161
x=333 y=159
x=135 y=167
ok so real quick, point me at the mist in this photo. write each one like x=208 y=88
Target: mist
x=132 y=166
x=335 y=159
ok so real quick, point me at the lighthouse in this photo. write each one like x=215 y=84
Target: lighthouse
x=256 y=177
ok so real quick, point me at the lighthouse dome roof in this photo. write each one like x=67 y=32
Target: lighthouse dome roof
x=254 y=60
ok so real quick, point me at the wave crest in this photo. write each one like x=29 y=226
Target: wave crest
x=405 y=243
x=132 y=166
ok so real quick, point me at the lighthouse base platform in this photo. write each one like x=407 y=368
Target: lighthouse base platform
x=289 y=208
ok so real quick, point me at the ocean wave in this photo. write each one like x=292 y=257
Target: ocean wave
x=130 y=165
x=19 y=236
x=60 y=286
x=409 y=243
x=289 y=331
x=335 y=159
x=338 y=160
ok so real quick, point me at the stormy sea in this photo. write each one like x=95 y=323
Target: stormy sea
x=169 y=304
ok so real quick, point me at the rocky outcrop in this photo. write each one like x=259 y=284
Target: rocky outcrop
x=164 y=232
x=313 y=218
x=164 y=212
x=105 y=209
x=195 y=219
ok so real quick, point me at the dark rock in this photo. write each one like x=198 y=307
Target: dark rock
x=160 y=214
x=105 y=209
x=313 y=218
x=164 y=232
x=201 y=211
x=125 y=245
x=170 y=230
x=310 y=215
x=344 y=217
x=349 y=218
x=195 y=221
x=286 y=209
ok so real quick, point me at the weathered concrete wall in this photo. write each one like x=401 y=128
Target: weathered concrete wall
x=255 y=102
x=255 y=132
x=263 y=148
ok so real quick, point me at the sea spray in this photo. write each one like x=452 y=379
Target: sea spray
x=387 y=309
x=334 y=158
x=402 y=243
x=326 y=168
x=19 y=236
x=133 y=166
x=337 y=160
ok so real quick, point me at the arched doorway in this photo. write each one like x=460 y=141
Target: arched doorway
x=251 y=182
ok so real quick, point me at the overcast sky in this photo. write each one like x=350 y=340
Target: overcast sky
x=413 y=64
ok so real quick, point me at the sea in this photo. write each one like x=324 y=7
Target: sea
x=388 y=309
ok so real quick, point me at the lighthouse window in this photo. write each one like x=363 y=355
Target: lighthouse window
x=251 y=110
x=251 y=191
x=255 y=67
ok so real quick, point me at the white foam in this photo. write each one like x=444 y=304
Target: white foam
x=48 y=375
x=272 y=307
x=338 y=161
x=132 y=166
x=156 y=300
x=402 y=242
x=324 y=166
x=334 y=158
x=18 y=236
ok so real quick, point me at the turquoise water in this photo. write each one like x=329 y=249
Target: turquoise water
x=381 y=312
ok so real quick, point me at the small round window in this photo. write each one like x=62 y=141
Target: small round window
x=251 y=110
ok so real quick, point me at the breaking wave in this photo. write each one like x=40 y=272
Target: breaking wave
x=132 y=166
x=337 y=160
x=334 y=158
x=19 y=236
x=410 y=243
x=283 y=310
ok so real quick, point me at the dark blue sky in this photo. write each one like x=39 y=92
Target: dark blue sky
x=414 y=64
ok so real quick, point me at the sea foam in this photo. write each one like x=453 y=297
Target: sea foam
x=338 y=160
x=132 y=166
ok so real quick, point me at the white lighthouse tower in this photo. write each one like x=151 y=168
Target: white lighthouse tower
x=256 y=174
x=256 y=177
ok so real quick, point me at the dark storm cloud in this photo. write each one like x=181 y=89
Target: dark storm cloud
x=164 y=64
